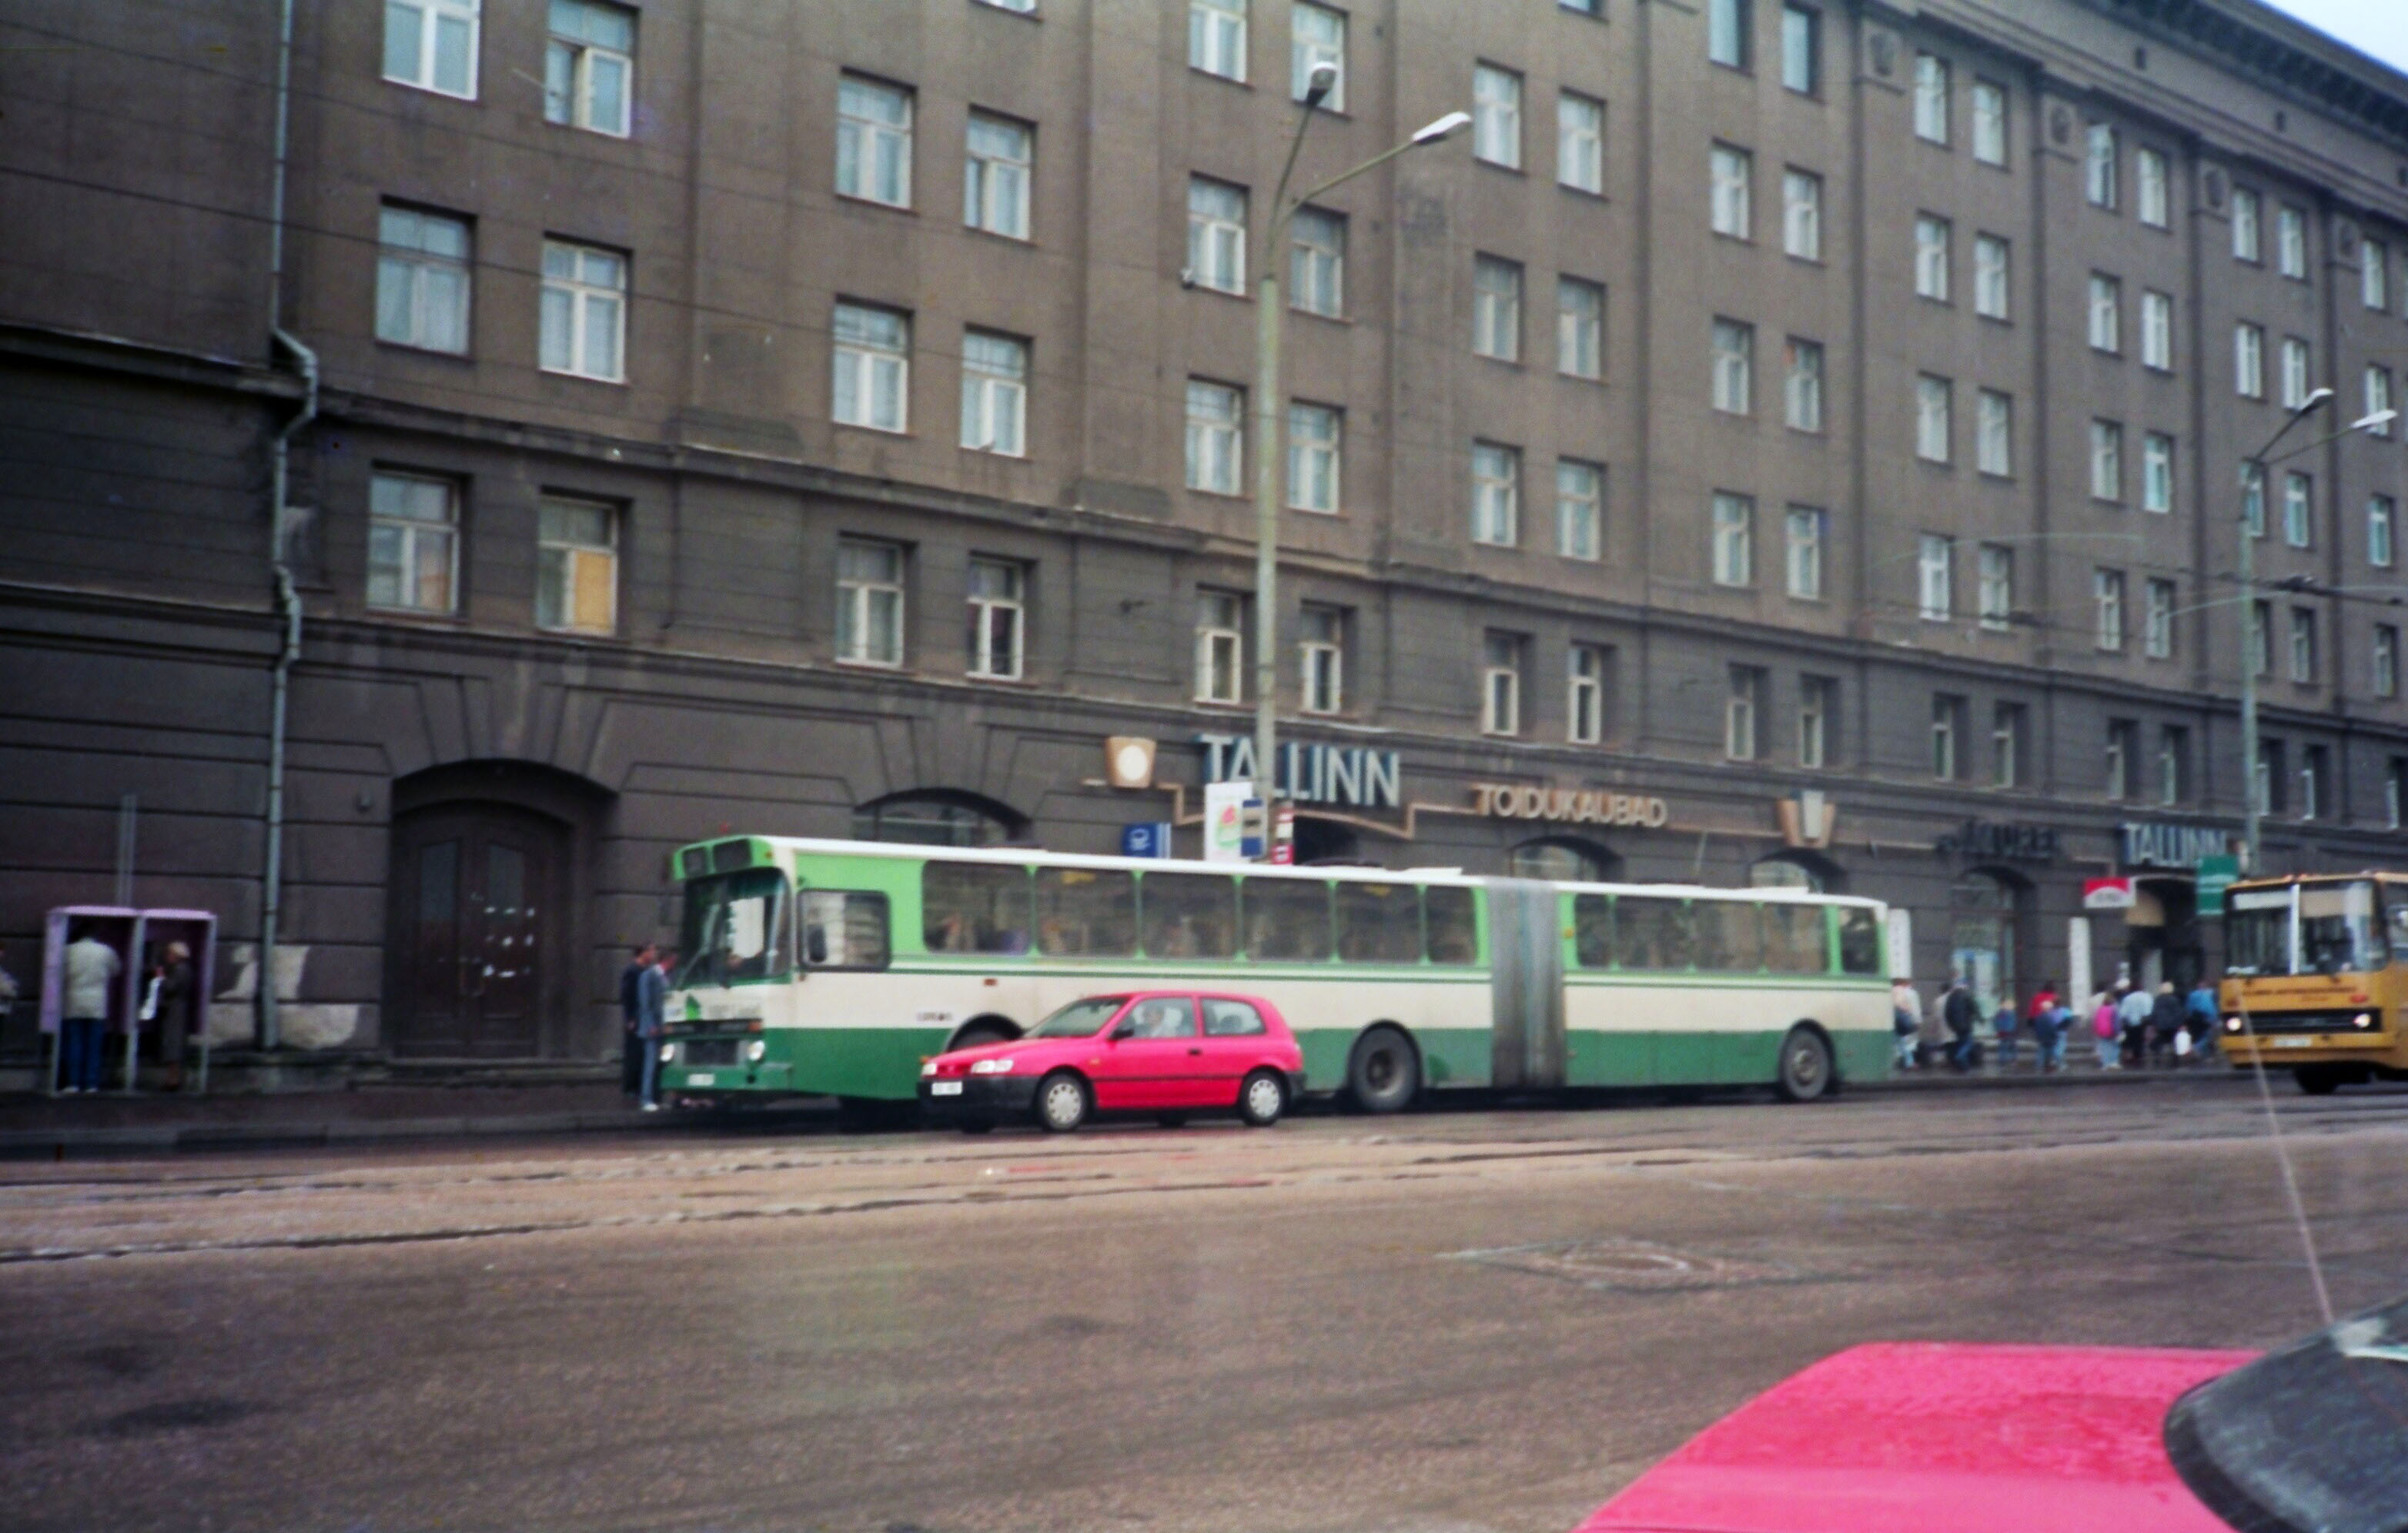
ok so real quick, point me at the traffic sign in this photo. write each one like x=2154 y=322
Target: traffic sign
x=2215 y=874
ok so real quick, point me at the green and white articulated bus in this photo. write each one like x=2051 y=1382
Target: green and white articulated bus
x=836 y=968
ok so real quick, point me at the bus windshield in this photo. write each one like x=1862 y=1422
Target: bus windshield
x=2339 y=930
x=735 y=929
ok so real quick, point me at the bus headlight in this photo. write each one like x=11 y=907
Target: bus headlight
x=2364 y=1019
x=756 y=1051
x=668 y=1053
x=2232 y=1025
x=990 y=1066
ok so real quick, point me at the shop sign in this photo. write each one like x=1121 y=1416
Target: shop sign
x=1998 y=840
x=2107 y=895
x=2163 y=843
x=2216 y=875
x=1579 y=806
x=1230 y=811
x=1807 y=820
x=1311 y=774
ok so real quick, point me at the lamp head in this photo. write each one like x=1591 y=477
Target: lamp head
x=1441 y=129
x=1318 y=85
x=2375 y=422
x=2316 y=398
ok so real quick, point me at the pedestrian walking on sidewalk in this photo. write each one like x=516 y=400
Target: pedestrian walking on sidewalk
x=651 y=1021
x=2201 y=1007
x=1962 y=1016
x=2106 y=1028
x=2047 y=1027
x=631 y=1016
x=91 y=968
x=2167 y=1016
x=1905 y=1021
x=2002 y=1023
x=2132 y=1015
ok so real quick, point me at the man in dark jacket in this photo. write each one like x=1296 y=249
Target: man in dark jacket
x=1962 y=1016
x=2166 y=1019
x=631 y=1016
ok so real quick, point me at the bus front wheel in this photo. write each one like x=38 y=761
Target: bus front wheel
x=1805 y=1066
x=1382 y=1074
x=2317 y=1080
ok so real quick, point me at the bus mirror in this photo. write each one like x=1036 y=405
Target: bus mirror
x=815 y=946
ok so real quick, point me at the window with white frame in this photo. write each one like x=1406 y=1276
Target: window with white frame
x=2151 y=194
x=2123 y=744
x=1731 y=170
x=577 y=567
x=1584 y=699
x=1314 y=457
x=1802 y=385
x=1931 y=257
x=1734 y=366
x=1501 y=683
x=2107 y=590
x=2249 y=360
x=1580 y=328
x=2374 y=275
x=423 y=279
x=2377 y=390
x=1216 y=235
x=2316 y=776
x=872 y=368
x=2173 y=763
x=1316 y=274
x=1806 y=528
x=999 y=618
x=413 y=543
x=999 y=161
x=1931 y=423
x=868 y=602
x=1734 y=539
x=2261 y=642
x=2157 y=330
x=1580 y=142
x=1818 y=703
x=1947 y=718
x=1497 y=116
x=2099 y=166
x=2006 y=744
x=589 y=66
x=2106 y=313
x=2158 y=638
x=1741 y=710
x=2299 y=502
x=2381 y=524
x=2303 y=644
x=1935 y=576
x=1802 y=214
x=2385 y=655
x=2245 y=245
x=1496 y=309
x=1990 y=123
x=994 y=393
x=2295 y=372
x=1216 y=37
x=432 y=44
x=1990 y=277
x=1994 y=586
x=1580 y=510
x=1316 y=36
x=1931 y=99
x=2395 y=792
x=2291 y=242
x=1994 y=425
x=1216 y=417
x=1801 y=50
x=1321 y=659
x=1220 y=646
x=2156 y=472
x=1496 y=494
x=583 y=312
x=873 y=141
x=2106 y=460
x=2253 y=499
x=1726 y=29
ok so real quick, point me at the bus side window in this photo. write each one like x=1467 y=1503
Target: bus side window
x=1859 y=941
x=1592 y=930
x=1188 y=915
x=1085 y=912
x=974 y=908
x=1377 y=924
x=843 y=929
x=1287 y=919
x=1453 y=935
x=1650 y=933
x=1794 y=940
x=1730 y=937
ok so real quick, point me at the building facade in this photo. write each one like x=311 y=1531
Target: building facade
x=1777 y=441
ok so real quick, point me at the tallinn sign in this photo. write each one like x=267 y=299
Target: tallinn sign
x=1310 y=774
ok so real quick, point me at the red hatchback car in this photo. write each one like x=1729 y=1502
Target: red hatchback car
x=1170 y=1053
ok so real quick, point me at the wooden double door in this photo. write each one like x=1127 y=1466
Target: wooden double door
x=475 y=954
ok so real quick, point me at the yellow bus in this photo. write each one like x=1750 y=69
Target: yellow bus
x=2315 y=976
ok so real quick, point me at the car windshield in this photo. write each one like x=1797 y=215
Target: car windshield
x=1080 y=1019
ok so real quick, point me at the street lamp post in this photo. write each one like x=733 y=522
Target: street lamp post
x=1269 y=416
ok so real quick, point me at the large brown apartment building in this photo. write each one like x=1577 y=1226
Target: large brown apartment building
x=1826 y=419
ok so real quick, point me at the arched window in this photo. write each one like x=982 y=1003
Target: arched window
x=1566 y=859
x=1796 y=871
x=938 y=819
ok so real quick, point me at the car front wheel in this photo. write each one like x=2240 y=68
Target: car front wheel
x=1062 y=1102
x=1262 y=1098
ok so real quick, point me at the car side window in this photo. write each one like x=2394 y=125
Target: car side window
x=1163 y=1016
x=1232 y=1019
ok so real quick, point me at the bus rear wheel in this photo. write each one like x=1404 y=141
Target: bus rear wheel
x=1382 y=1074
x=1805 y=1066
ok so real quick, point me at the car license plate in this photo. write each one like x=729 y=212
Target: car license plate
x=2295 y=1043
x=698 y=1078
x=944 y=1088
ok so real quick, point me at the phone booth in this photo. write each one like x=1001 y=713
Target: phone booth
x=154 y=931
x=118 y=926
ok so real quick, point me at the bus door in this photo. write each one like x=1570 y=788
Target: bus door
x=1525 y=978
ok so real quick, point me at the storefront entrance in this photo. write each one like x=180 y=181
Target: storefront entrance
x=1984 y=912
x=475 y=915
x=2161 y=933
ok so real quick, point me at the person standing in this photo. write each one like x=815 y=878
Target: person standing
x=2105 y=1028
x=2047 y=1027
x=2002 y=1023
x=651 y=1021
x=2167 y=1016
x=631 y=1016
x=1961 y=1015
x=2132 y=1015
x=1905 y=1020
x=174 y=1015
x=2201 y=1012
x=91 y=968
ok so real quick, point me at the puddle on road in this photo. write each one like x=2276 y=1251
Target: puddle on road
x=1635 y=1267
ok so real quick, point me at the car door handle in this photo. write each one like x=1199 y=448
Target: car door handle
x=1196 y=1051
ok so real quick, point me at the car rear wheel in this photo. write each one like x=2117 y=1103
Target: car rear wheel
x=1261 y=1098
x=1062 y=1103
x=1382 y=1073
x=2317 y=1080
x=1805 y=1066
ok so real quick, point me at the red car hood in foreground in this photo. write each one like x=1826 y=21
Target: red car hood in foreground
x=1930 y=1438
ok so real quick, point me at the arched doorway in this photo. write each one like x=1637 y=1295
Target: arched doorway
x=1797 y=870
x=1985 y=933
x=1326 y=842
x=1566 y=859
x=478 y=930
x=938 y=817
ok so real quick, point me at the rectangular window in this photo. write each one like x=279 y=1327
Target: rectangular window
x=1580 y=142
x=1734 y=368
x=2150 y=190
x=2385 y=655
x=1496 y=494
x=2268 y=784
x=1580 y=328
x=2106 y=313
x=873 y=367
x=589 y=66
x=1501 y=683
x=1740 y=712
x=1316 y=36
x=2006 y=745
x=2249 y=360
x=2158 y=638
x=1316 y=277
x=2291 y=243
x=413 y=543
x=1931 y=257
x=2107 y=589
x=1994 y=434
x=1801 y=50
x=2298 y=499
x=869 y=603
x=2374 y=275
x=2253 y=499
x=1727 y=28
x=1734 y=535
x=2382 y=523
x=1313 y=457
x=2244 y=225
x=1216 y=235
x=1802 y=385
x=577 y=567
x=2173 y=763
x=2123 y=745
x=1931 y=99
x=2261 y=638
x=1732 y=170
x=1219 y=647
x=1584 y=701
x=2316 y=773
x=994 y=393
x=1216 y=37
x=873 y=141
x=1996 y=596
x=2157 y=471
x=2395 y=792
x=998 y=618
x=1817 y=705
x=2303 y=645
x=1990 y=277
x=2377 y=390
x=1497 y=116
x=422 y=282
x=2295 y=372
x=1947 y=712
x=1802 y=214
x=2099 y=166
x=1580 y=510
x=1321 y=659
x=1806 y=528
x=583 y=312
x=1216 y=436
x=1990 y=123
x=2106 y=460
x=2157 y=330
x=1931 y=423
x=1496 y=309
x=1000 y=162
x=432 y=44
x=1935 y=576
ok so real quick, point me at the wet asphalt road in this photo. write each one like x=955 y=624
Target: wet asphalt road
x=1453 y=1320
